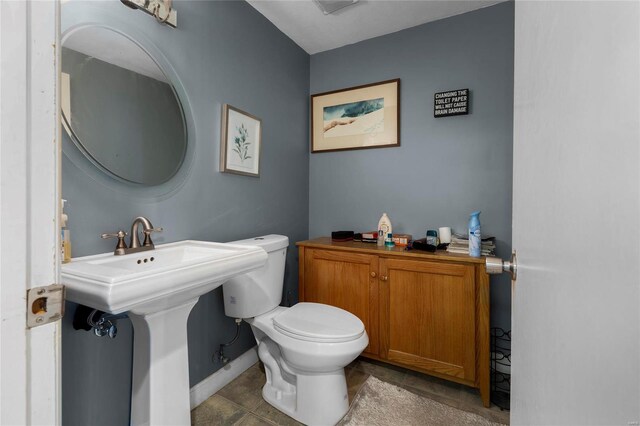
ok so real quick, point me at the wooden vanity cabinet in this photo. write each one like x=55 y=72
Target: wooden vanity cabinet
x=427 y=316
x=422 y=311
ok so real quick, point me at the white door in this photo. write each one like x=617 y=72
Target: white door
x=576 y=211
x=29 y=193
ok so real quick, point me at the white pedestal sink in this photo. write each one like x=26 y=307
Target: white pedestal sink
x=158 y=289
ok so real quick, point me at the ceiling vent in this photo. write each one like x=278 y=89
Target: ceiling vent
x=330 y=6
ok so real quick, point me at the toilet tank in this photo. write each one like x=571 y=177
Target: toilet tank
x=257 y=292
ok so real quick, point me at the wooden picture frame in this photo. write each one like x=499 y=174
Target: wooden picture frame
x=240 y=142
x=358 y=117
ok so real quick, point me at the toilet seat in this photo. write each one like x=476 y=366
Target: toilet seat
x=317 y=322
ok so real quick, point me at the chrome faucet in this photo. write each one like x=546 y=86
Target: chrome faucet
x=134 y=246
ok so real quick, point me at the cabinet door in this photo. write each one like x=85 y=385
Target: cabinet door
x=427 y=316
x=345 y=280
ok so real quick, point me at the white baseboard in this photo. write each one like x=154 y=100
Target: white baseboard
x=212 y=384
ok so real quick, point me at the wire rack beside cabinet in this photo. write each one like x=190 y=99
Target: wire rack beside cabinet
x=501 y=367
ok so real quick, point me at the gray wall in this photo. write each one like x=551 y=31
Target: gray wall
x=445 y=167
x=222 y=52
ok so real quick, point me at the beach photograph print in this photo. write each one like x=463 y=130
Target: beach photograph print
x=240 y=142
x=356 y=118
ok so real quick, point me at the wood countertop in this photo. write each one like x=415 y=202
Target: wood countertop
x=356 y=246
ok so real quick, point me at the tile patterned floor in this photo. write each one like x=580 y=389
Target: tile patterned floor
x=241 y=403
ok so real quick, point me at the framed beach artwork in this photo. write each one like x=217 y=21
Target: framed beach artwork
x=240 y=142
x=356 y=118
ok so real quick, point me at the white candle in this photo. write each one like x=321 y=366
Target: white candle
x=445 y=235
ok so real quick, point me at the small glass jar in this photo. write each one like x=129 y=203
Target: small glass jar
x=432 y=237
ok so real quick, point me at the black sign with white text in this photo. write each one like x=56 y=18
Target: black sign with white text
x=452 y=102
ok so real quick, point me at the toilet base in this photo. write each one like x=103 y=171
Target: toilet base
x=317 y=399
x=305 y=379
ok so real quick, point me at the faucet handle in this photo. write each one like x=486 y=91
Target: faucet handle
x=150 y=230
x=121 y=244
x=147 y=235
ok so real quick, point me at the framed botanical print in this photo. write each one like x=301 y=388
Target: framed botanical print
x=240 y=142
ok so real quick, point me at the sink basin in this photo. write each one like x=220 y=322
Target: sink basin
x=154 y=280
x=158 y=288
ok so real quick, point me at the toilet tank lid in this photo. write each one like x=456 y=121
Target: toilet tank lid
x=269 y=243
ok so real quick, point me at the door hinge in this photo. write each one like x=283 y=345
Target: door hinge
x=45 y=304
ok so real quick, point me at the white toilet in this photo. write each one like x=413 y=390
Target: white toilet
x=304 y=348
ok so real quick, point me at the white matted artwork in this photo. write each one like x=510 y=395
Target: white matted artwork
x=356 y=118
x=240 y=142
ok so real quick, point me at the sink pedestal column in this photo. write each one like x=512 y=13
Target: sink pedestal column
x=160 y=388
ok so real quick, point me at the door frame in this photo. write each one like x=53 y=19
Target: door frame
x=30 y=359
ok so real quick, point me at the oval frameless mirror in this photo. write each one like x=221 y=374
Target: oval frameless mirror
x=119 y=108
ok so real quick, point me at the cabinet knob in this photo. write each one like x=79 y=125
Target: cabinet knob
x=383 y=277
x=373 y=274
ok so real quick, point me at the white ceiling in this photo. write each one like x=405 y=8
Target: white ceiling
x=305 y=24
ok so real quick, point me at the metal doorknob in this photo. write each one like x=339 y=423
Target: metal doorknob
x=495 y=265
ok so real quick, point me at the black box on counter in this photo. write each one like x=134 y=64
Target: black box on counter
x=341 y=236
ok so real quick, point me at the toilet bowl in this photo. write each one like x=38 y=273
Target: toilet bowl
x=305 y=372
x=304 y=348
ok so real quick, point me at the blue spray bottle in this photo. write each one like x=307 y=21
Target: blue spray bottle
x=475 y=240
